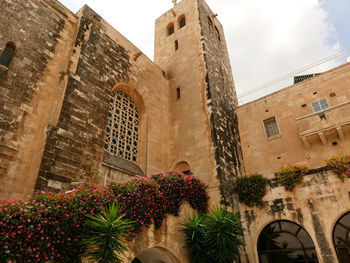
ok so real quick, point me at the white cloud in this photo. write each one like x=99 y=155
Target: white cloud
x=266 y=39
x=348 y=59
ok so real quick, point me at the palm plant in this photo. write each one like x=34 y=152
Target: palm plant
x=107 y=233
x=214 y=237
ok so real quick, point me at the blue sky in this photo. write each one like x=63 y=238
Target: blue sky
x=266 y=39
x=339 y=16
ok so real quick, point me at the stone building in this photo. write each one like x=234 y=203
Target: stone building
x=80 y=103
x=303 y=124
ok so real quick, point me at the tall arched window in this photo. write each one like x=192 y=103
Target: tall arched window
x=182 y=21
x=7 y=54
x=341 y=238
x=285 y=242
x=122 y=132
x=170 y=29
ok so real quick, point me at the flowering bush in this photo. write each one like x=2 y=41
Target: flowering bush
x=291 y=175
x=51 y=226
x=251 y=189
x=340 y=165
x=177 y=187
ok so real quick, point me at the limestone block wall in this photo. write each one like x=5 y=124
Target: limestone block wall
x=316 y=205
x=325 y=135
x=32 y=87
x=221 y=101
x=102 y=61
x=189 y=126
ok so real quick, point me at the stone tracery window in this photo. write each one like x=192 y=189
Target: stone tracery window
x=122 y=132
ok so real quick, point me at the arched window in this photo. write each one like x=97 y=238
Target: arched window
x=170 y=29
x=285 y=242
x=7 y=55
x=122 y=132
x=182 y=21
x=341 y=238
x=183 y=167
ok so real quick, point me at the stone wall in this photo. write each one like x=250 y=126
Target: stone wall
x=32 y=87
x=103 y=60
x=306 y=137
x=316 y=205
x=221 y=101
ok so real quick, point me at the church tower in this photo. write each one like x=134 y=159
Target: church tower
x=190 y=47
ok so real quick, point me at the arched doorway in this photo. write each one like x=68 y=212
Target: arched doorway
x=341 y=238
x=155 y=255
x=285 y=242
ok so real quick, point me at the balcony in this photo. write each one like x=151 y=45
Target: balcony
x=321 y=123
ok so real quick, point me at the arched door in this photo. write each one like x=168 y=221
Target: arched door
x=341 y=238
x=285 y=242
x=155 y=255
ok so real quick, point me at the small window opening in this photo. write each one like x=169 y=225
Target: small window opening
x=7 y=55
x=178 y=93
x=176 y=45
x=170 y=29
x=217 y=33
x=182 y=21
x=271 y=127
x=320 y=105
x=210 y=23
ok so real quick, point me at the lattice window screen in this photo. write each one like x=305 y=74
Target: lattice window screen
x=122 y=133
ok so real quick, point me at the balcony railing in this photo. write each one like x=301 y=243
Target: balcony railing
x=319 y=123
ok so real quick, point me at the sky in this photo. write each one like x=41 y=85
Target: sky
x=266 y=39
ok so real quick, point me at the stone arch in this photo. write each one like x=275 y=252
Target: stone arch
x=155 y=255
x=131 y=167
x=181 y=21
x=284 y=240
x=183 y=167
x=341 y=238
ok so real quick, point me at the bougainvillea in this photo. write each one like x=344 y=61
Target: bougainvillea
x=291 y=175
x=251 y=189
x=178 y=187
x=51 y=226
x=340 y=165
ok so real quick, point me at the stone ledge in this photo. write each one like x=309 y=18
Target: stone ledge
x=121 y=164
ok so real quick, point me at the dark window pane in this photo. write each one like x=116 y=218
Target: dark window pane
x=6 y=56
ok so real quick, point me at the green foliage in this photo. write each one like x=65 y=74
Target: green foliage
x=291 y=175
x=214 y=237
x=340 y=165
x=107 y=234
x=251 y=189
x=52 y=227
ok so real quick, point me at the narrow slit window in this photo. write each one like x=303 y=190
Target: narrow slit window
x=170 y=29
x=320 y=105
x=7 y=55
x=217 y=33
x=182 y=21
x=178 y=93
x=271 y=127
x=210 y=23
x=176 y=45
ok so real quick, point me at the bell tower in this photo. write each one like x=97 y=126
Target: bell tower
x=190 y=47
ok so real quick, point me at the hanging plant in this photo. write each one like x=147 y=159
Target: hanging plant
x=340 y=165
x=291 y=175
x=251 y=189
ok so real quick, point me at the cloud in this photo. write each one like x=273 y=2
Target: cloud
x=348 y=59
x=268 y=39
